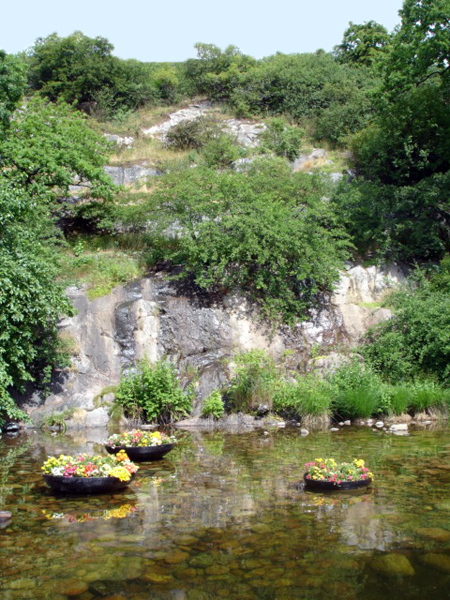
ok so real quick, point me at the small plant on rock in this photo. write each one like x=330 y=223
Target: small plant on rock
x=213 y=405
x=154 y=392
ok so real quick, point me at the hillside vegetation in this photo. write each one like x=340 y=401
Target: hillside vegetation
x=226 y=214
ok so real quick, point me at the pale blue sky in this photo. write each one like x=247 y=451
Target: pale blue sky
x=167 y=31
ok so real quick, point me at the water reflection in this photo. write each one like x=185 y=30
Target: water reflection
x=224 y=516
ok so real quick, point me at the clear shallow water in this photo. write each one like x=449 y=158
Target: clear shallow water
x=223 y=516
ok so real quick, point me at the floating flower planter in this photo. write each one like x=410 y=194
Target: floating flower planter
x=141 y=445
x=328 y=475
x=87 y=474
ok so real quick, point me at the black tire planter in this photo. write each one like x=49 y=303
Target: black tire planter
x=142 y=453
x=86 y=485
x=329 y=486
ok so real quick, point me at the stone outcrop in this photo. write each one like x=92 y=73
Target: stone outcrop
x=155 y=317
x=124 y=175
x=246 y=132
x=359 y=295
x=119 y=140
x=191 y=113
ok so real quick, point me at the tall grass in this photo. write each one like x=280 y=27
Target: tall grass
x=304 y=397
x=254 y=381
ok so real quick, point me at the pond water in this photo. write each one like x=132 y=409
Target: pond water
x=223 y=516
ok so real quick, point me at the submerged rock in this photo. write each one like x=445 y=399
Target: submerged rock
x=440 y=561
x=434 y=533
x=392 y=564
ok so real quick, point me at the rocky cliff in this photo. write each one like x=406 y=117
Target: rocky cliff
x=154 y=317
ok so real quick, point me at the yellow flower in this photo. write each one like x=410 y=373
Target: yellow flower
x=122 y=455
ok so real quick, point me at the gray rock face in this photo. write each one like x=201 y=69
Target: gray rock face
x=359 y=294
x=154 y=317
x=125 y=175
x=191 y=113
x=306 y=160
x=246 y=132
x=119 y=140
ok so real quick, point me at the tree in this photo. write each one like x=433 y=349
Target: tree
x=12 y=86
x=44 y=150
x=265 y=231
x=49 y=147
x=421 y=47
x=403 y=156
x=71 y=68
x=361 y=44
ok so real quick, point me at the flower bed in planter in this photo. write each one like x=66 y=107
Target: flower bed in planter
x=88 y=474
x=326 y=474
x=141 y=445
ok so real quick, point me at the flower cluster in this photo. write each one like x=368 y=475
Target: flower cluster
x=138 y=438
x=327 y=469
x=87 y=465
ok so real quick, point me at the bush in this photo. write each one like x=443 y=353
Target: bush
x=154 y=392
x=282 y=139
x=254 y=381
x=307 y=396
x=220 y=152
x=192 y=135
x=415 y=342
x=213 y=405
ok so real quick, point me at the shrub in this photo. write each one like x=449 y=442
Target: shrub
x=254 y=381
x=154 y=392
x=213 y=405
x=220 y=152
x=282 y=139
x=415 y=343
x=192 y=135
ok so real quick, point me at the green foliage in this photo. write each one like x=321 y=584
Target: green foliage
x=220 y=152
x=57 y=420
x=12 y=86
x=264 y=231
x=213 y=405
x=307 y=396
x=215 y=72
x=188 y=135
x=154 y=393
x=361 y=44
x=49 y=147
x=282 y=139
x=421 y=47
x=405 y=152
x=254 y=381
x=416 y=341
x=101 y=272
x=44 y=150
x=356 y=390
x=82 y=71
